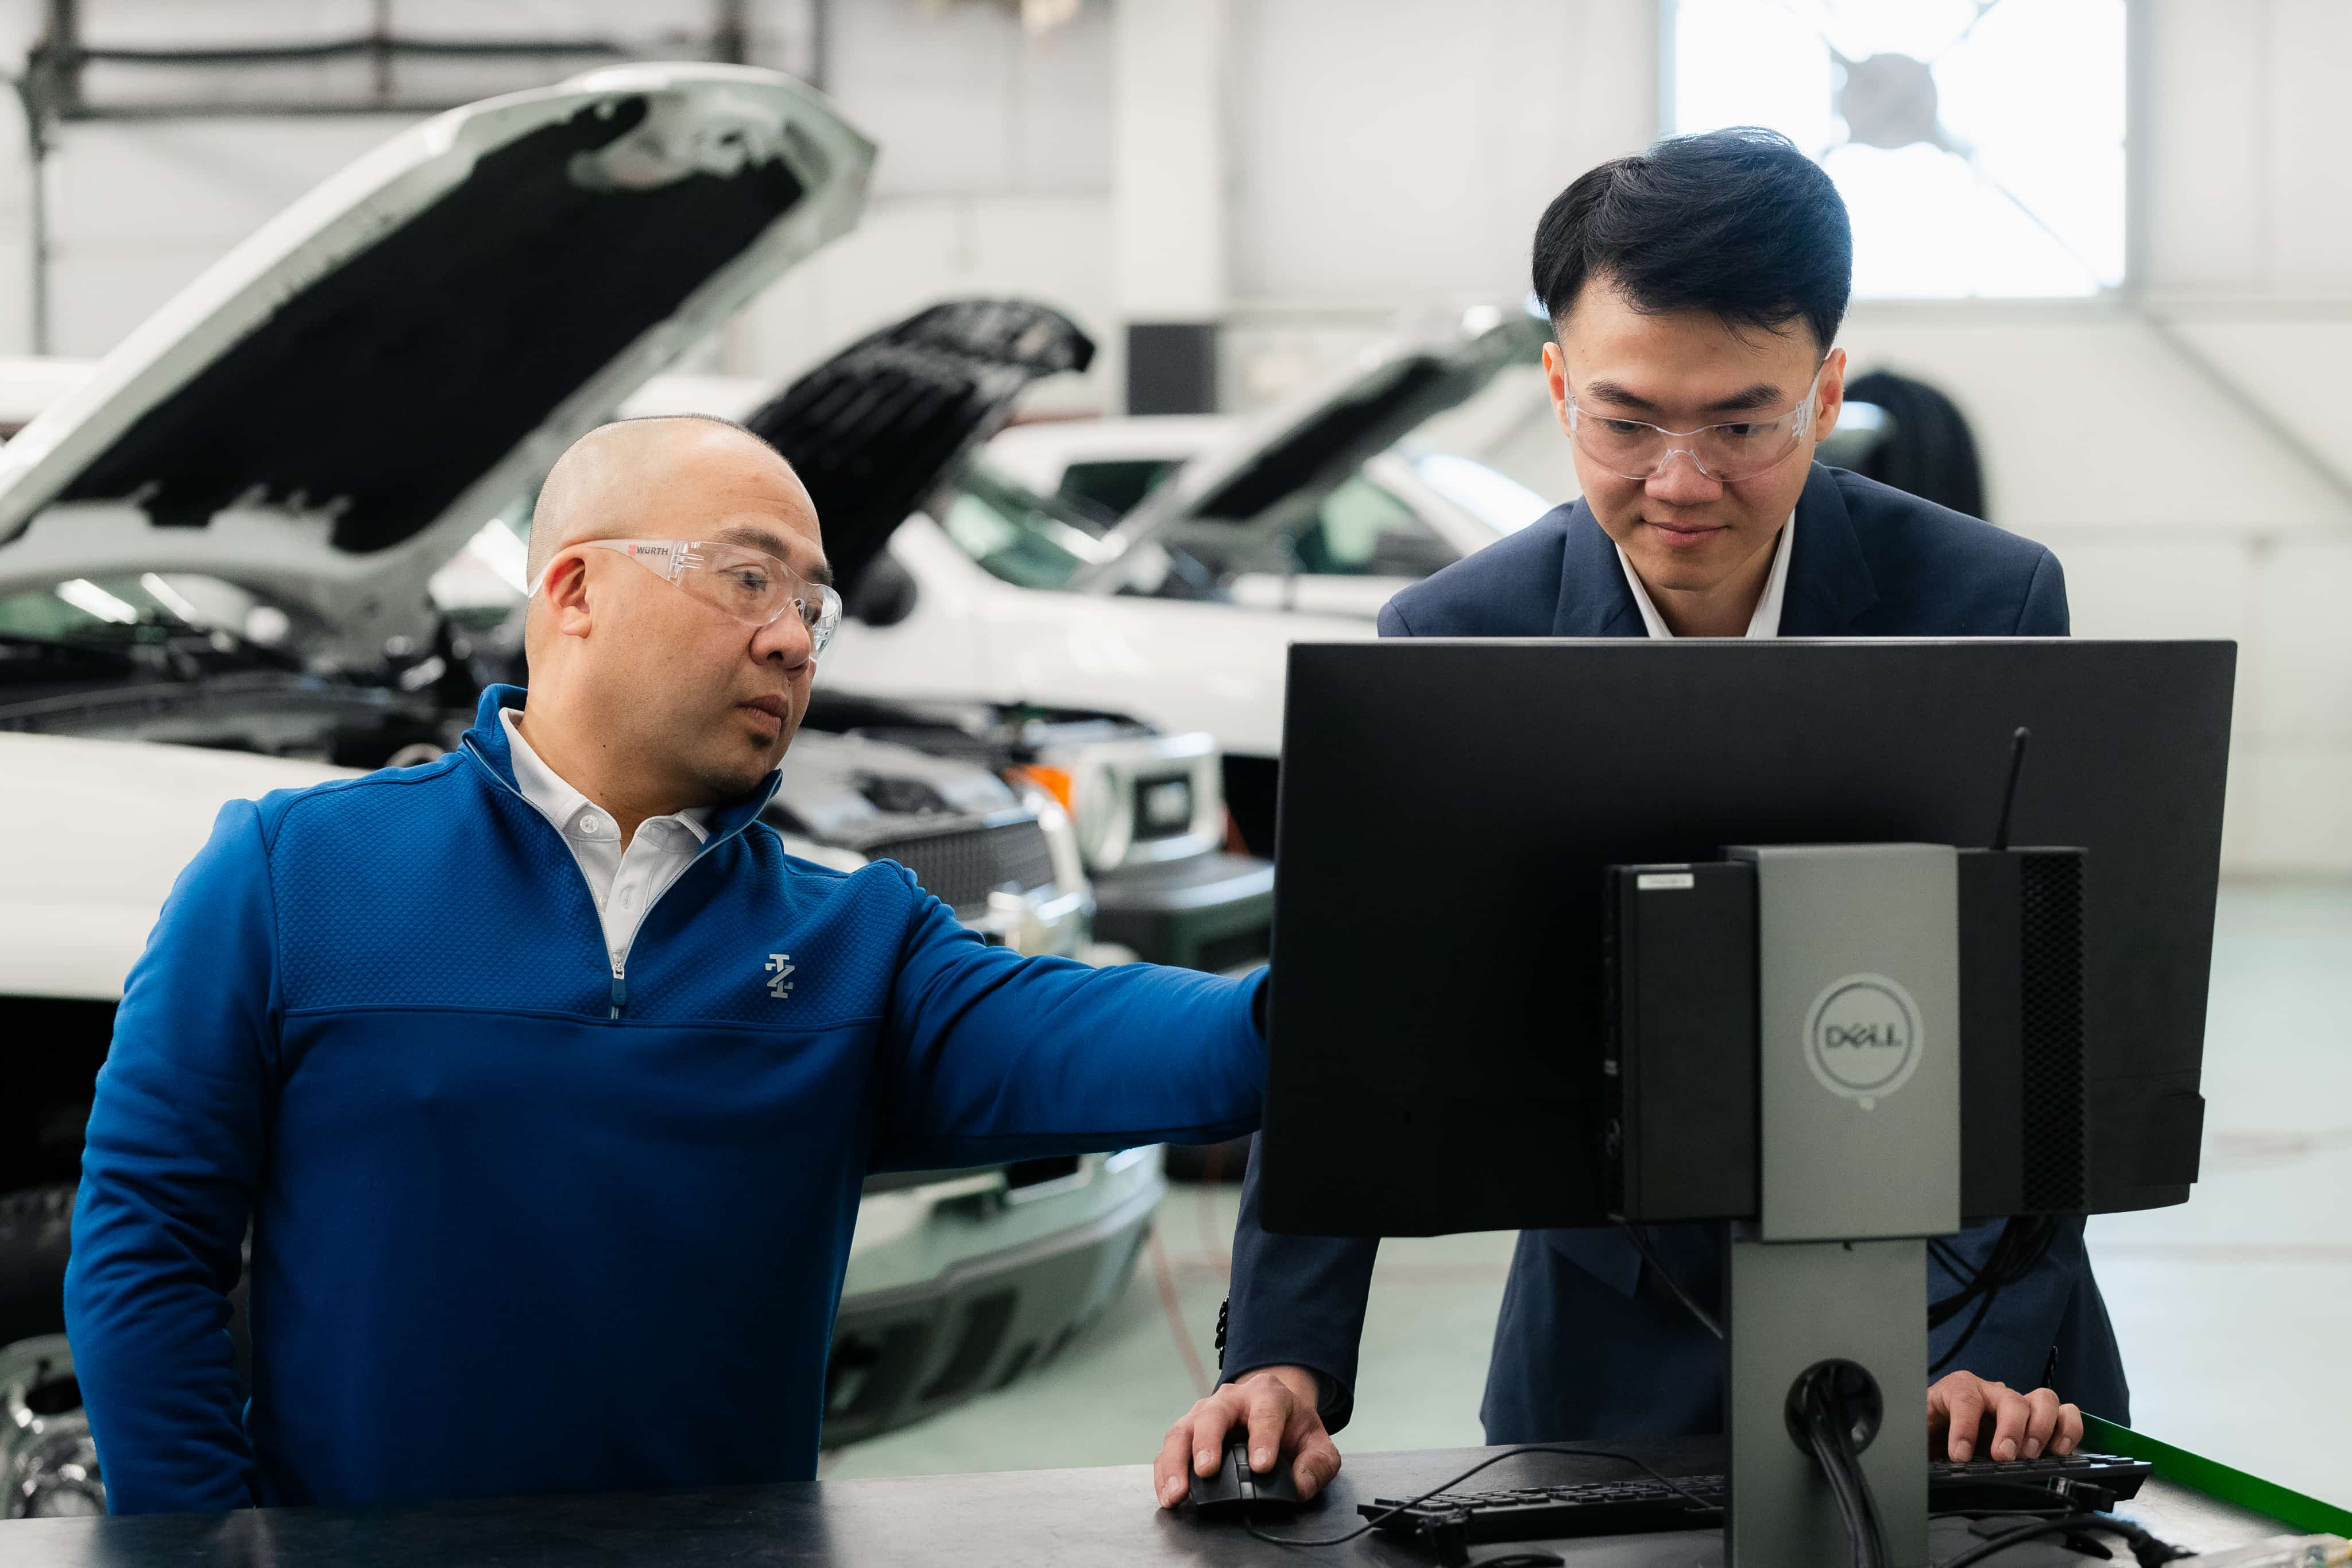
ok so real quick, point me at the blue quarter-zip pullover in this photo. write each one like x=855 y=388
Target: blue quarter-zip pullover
x=515 y=1228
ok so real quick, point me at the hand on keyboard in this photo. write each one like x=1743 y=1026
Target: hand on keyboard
x=1968 y=1415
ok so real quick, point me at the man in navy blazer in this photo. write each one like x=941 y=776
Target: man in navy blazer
x=1695 y=293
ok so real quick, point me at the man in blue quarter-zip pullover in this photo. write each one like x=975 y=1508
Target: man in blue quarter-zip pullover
x=544 y=1059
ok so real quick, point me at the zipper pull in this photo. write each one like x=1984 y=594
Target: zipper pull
x=620 y=989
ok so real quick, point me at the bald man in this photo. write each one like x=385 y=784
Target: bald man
x=547 y=1081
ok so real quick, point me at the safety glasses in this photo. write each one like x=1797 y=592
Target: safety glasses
x=1635 y=449
x=745 y=585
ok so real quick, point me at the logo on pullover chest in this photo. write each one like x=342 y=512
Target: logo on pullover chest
x=780 y=975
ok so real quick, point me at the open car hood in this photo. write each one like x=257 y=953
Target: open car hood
x=1283 y=463
x=877 y=428
x=334 y=408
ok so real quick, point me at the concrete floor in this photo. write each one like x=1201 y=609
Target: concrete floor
x=2235 y=1312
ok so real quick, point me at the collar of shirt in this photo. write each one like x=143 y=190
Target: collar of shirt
x=623 y=883
x=1764 y=623
x=575 y=815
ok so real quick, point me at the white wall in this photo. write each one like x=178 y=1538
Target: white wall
x=1388 y=149
x=2176 y=516
x=994 y=177
x=1391 y=154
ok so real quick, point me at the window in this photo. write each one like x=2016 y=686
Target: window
x=1496 y=499
x=1362 y=529
x=1979 y=143
x=1024 y=539
x=1116 y=488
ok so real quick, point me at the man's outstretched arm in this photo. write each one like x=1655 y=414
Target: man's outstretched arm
x=989 y=1056
x=172 y=1159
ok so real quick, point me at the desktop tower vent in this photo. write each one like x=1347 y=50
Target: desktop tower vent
x=2051 y=1030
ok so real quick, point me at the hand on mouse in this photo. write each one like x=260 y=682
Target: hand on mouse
x=1967 y=1417
x=1277 y=1405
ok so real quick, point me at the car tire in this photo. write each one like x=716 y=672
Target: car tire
x=36 y=1237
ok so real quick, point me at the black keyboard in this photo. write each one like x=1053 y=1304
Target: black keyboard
x=1641 y=1504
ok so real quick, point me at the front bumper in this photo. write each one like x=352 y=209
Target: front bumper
x=48 y=1462
x=958 y=1285
x=1209 y=912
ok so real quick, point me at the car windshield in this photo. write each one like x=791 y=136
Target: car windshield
x=1116 y=486
x=1013 y=533
x=1494 y=499
x=143 y=608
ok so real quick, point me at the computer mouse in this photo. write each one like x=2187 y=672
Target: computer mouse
x=1236 y=1489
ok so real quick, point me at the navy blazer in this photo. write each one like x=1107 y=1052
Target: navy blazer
x=1590 y=1344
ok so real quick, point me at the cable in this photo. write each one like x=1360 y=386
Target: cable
x=1642 y=1245
x=2019 y=1249
x=1442 y=1487
x=1829 y=1432
x=2146 y=1549
x=2022 y=1246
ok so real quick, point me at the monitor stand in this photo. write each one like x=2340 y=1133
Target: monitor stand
x=1858 y=1162
x=1792 y=1306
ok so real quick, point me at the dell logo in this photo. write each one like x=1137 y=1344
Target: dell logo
x=1863 y=1037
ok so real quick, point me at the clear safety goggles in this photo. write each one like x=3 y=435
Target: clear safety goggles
x=1635 y=449
x=746 y=585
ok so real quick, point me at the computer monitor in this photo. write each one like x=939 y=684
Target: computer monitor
x=1449 y=807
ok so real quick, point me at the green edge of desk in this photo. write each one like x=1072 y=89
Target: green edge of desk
x=2216 y=1479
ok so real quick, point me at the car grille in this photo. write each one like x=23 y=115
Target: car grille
x=960 y=868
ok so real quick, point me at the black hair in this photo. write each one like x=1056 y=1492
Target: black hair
x=1737 y=222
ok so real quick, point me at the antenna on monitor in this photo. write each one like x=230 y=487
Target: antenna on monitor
x=2008 y=794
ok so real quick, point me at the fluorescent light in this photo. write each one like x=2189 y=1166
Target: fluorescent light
x=85 y=595
x=171 y=598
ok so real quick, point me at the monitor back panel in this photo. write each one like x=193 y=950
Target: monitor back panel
x=1448 y=808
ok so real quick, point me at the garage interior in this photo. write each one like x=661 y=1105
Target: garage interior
x=2102 y=295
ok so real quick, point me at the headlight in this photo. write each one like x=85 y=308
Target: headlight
x=1163 y=807
x=1137 y=799
x=1061 y=835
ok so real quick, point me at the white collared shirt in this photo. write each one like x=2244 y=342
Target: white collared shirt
x=1765 y=623
x=623 y=883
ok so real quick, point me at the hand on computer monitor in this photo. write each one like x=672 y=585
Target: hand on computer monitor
x=1277 y=1405
x=1968 y=1415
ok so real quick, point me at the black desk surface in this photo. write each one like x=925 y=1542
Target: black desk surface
x=1017 y=1518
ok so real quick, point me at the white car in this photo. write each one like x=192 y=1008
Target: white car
x=1111 y=465
x=224 y=537
x=1296 y=525
x=1405 y=513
